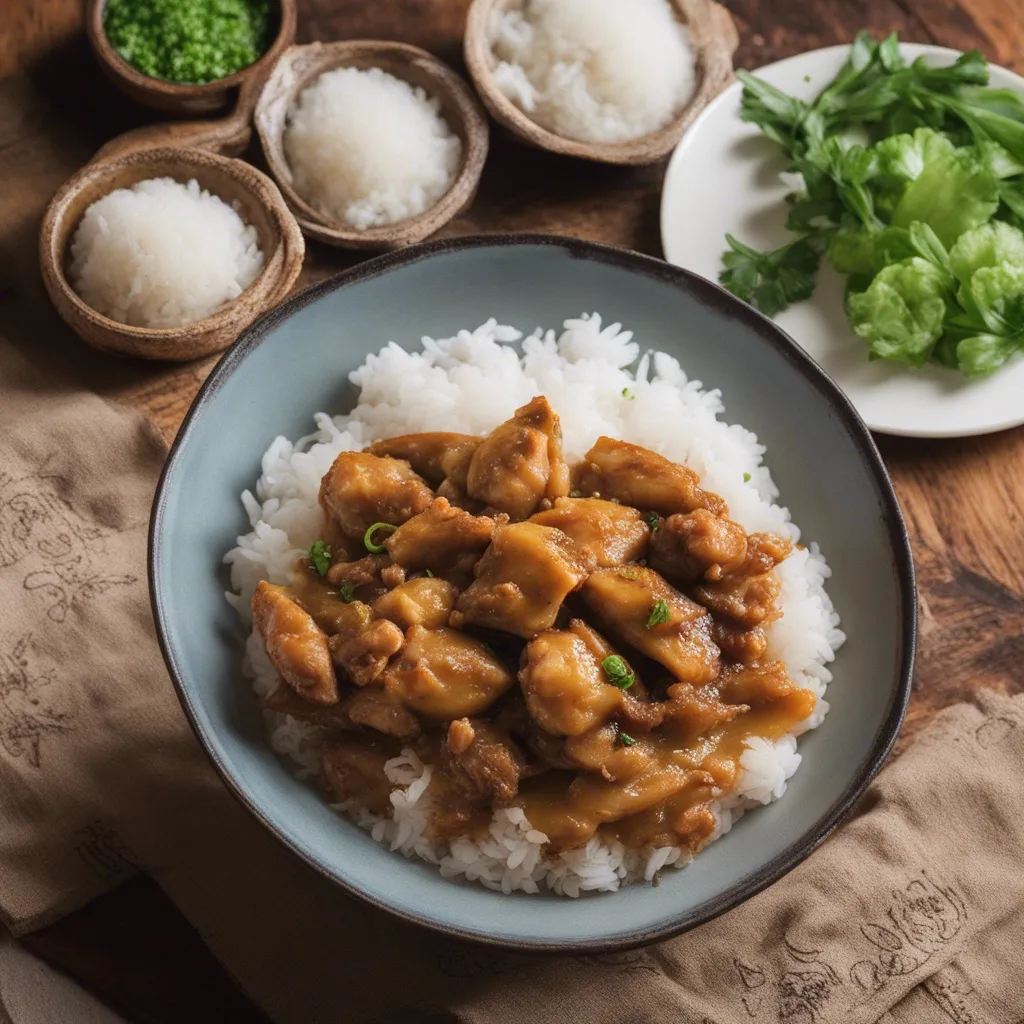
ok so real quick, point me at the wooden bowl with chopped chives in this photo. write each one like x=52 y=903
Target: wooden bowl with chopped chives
x=185 y=56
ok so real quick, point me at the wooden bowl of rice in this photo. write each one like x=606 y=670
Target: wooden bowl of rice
x=301 y=66
x=712 y=38
x=252 y=195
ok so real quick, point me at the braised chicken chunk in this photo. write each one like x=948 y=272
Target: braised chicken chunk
x=697 y=545
x=353 y=768
x=638 y=607
x=483 y=762
x=424 y=601
x=746 y=600
x=362 y=655
x=362 y=489
x=296 y=645
x=613 y=533
x=499 y=630
x=442 y=674
x=434 y=456
x=644 y=479
x=375 y=708
x=441 y=538
x=524 y=576
x=570 y=688
x=520 y=462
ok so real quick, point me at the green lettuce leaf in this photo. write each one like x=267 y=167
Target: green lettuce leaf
x=951 y=195
x=983 y=354
x=901 y=313
x=986 y=246
x=906 y=156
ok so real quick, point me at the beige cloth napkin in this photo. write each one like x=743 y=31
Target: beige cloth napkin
x=913 y=913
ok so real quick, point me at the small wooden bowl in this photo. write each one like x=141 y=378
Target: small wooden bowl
x=301 y=65
x=714 y=40
x=259 y=204
x=175 y=97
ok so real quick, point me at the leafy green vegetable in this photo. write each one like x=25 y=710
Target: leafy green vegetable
x=895 y=167
x=952 y=195
x=746 y=478
x=654 y=521
x=659 y=614
x=618 y=672
x=625 y=739
x=346 y=592
x=906 y=156
x=320 y=556
x=901 y=313
x=771 y=281
x=986 y=246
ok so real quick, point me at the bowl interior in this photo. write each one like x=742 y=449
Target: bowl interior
x=295 y=362
x=210 y=173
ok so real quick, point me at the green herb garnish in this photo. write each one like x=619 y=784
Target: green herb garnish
x=654 y=521
x=618 y=672
x=941 y=171
x=575 y=494
x=628 y=393
x=385 y=528
x=320 y=556
x=346 y=592
x=659 y=613
x=625 y=739
x=187 y=41
x=429 y=573
x=746 y=478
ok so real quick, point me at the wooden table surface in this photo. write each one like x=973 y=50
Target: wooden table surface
x=962 y=498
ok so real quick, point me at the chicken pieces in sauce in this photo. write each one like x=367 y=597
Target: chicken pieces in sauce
x=501 y=628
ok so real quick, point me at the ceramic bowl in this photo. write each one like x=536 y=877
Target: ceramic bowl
x=295 y=361
x=176 y=97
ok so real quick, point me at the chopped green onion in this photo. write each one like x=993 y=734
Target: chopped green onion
x=654 y=521
x=429 y=573
x=320 y=556
x=746 y=478
x=385 y=528
x=659 y=613
x=618 y=672
x=575 y=494
x=627 y=393
x=626 y=740
x=346 y=592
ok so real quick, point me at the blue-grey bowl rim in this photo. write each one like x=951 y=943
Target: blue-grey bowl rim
x=714 y=295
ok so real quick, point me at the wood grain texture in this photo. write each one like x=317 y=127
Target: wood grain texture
x=962 y=499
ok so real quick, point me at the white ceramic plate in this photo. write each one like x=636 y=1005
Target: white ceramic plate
x=724 y=177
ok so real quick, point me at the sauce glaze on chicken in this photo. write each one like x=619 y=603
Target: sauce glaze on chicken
x=585 y=642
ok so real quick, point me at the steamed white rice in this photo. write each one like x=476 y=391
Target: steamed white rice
x=368 y=148
x=162 y=254
x=594 y=70
x=597 y=380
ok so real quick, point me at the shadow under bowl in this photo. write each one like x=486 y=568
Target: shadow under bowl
x=295 y=361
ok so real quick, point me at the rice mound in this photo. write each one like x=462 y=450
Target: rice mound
x=594 y=70
x=369 y=148
x=162 y=254
x=599 y=383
